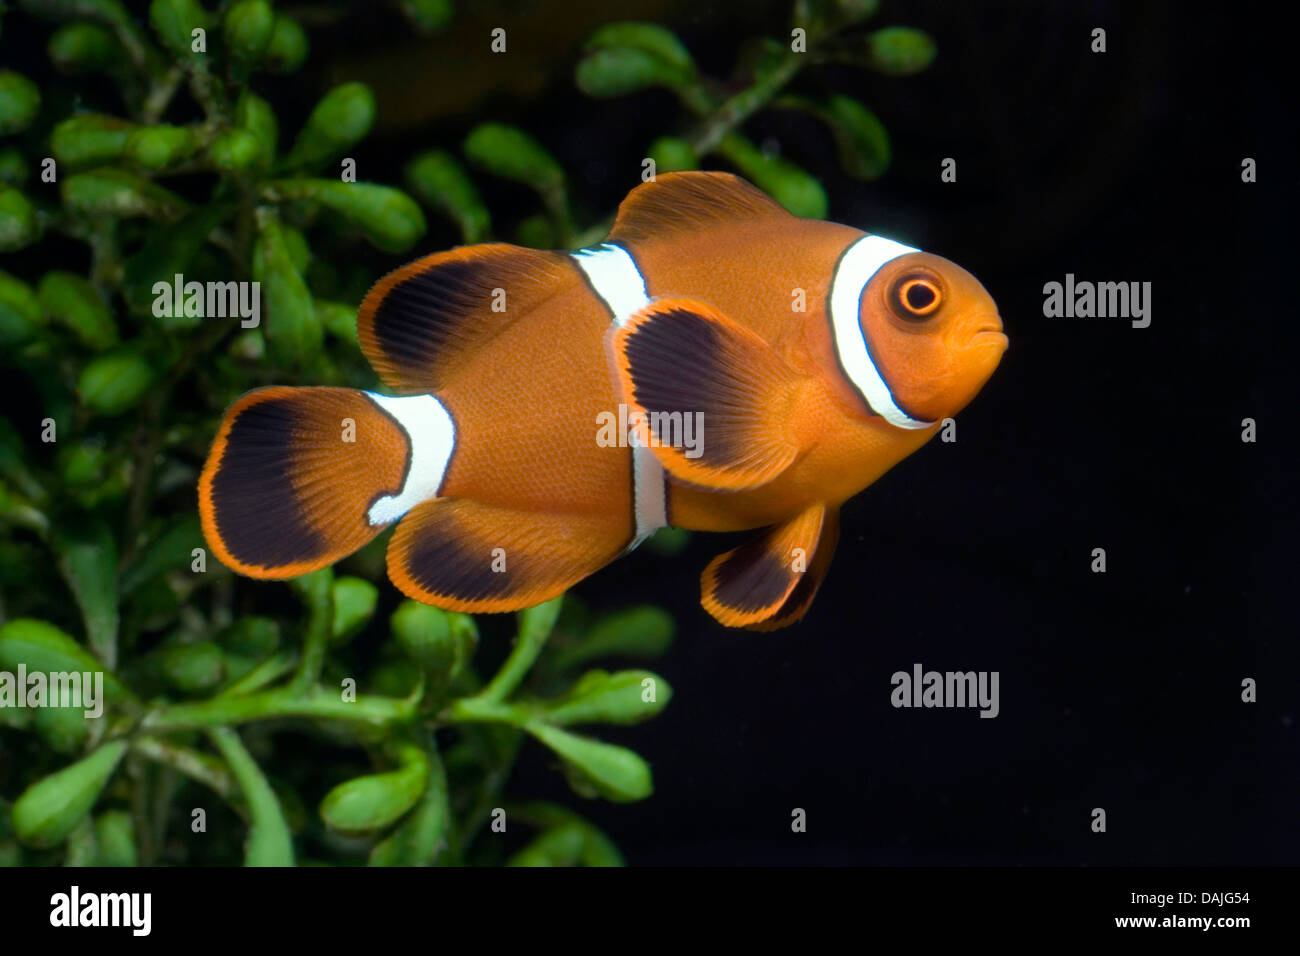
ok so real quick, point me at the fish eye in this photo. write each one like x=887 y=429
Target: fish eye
x=917 y=297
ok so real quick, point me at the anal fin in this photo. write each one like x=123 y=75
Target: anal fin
x=688 y=371
x=770 y=581
x=465 y=556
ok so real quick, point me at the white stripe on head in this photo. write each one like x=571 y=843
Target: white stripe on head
x=860 y=262
x=613 y=274
x=617 y=281
x=431 y=436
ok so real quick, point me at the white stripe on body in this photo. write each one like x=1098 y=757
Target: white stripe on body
x=431 y=436
x=860 y=262
x=618 y=282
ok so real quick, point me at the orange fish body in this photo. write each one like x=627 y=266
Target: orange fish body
x=716 y=365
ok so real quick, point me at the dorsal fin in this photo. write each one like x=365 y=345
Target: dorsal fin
x=676 y=203
x=418 y=323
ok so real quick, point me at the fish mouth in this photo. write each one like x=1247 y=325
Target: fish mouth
x=990 y=330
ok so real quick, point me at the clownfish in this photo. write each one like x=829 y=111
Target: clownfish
x=496 y=458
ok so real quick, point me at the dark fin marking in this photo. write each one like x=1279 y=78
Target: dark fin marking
x=282 y=493
x=801 y=598
x=419 y=323
x=445 y=553
x=757 y=581
x=678 y=357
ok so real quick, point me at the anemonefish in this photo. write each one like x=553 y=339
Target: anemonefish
x=810 y=356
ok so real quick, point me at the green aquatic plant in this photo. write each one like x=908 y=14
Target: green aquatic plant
x=153 y=155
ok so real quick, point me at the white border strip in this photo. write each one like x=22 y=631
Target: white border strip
x=860 y=262
x=618 y=282
x=431 y=436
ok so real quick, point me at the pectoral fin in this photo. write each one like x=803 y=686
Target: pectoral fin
x=683 y=365
x=770 y=581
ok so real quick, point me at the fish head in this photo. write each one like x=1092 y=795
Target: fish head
x=933 y=331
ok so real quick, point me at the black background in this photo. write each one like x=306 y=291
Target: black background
x=1119 y=690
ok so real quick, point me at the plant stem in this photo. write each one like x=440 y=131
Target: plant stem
x=192 y=763
x=744 y=104
x=276 y=704
x=318 y=591
x=267 y=672
x=535 y=627
x=269 y=840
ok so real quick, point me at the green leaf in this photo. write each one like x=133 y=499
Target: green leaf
x=174 y=21
x=13 y=166
x=598 y=849
x=642 y=632
x=251 y=636
x=341 y=119
x=861 y=141
x=49 y=809
x=287 y=48
x=512 y=154
x=254 y=114
x=900 y=51
x=415 y=841
x=293 y=332
x=595 y=767
x=248 y=28
x=354 y=605
x=116 y=193
x=116 y=381
x=90 y=139
x=669 y=542
x=648 y=38
x=338 y=319
x=115 y=834
x=793 y=187
x=537 y=232
x=822 y=16
x=88 y=560
x=154 y=148
x=18 y=225
x=559 y=846
x=428 y=15
x=441 y=642
x=43 y=647
x=82 y=48
x=672 y=154
x=439 y=181
x=627 y=697
x=618 y=71
x=234 y=150
x=388 y=217
x=269 y=841
x=374 y=801
x=194 y=668
x=21 y=315
x=73 y=302
x=63 y=729
x=20 y=100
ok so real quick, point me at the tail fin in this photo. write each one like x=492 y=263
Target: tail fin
x=298 y=478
